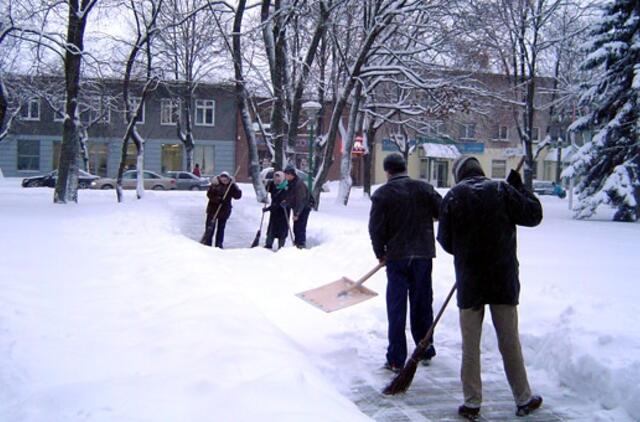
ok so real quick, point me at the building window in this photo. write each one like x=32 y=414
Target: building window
x=169 y=111
x=133 y=106
x=30 y=110
x=205 y=155
x=100 y=110
x=498 y=169
x=205 y=112
x=468 y=131
x=98 y=154
x=131 y=161
x=437 y=129
x=503 y=133
x=60 y=111
x=171 y=157
x=28 y=154
x=535 y=134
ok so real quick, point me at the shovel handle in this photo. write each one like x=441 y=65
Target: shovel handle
x=362 y=279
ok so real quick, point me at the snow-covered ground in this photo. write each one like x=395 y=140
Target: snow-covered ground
x=111 y=312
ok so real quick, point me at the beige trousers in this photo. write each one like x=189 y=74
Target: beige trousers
x=505 y=322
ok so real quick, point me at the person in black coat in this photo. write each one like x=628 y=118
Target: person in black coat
x=222 y=190
x=477 y=226
x=278 y=212
x=299 y=200
x=401 y=231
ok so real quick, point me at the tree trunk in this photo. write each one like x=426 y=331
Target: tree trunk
x=370 y=142
x=67 y=183
x=242 y=98
x=345 y=163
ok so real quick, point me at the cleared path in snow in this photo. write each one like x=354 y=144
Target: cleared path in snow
x=435 y=393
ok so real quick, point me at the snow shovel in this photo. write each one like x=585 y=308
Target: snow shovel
x=256 y=241
x=341 y=293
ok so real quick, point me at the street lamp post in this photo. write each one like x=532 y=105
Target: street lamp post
x=311 y=108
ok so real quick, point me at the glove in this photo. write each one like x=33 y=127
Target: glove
x=265 y=209
x=514 y=179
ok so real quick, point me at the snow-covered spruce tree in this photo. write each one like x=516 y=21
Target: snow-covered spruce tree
x=608 y=167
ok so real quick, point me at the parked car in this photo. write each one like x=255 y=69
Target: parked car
x=188 y=181
x=266 y=174
x=543 y=187
x=49 y=180
x=151 y=181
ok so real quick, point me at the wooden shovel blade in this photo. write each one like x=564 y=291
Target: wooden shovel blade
x=329 y=299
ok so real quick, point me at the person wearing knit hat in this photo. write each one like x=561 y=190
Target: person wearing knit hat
x=222 y=189
x=299 y=201
x=478 y=219
x=278 y=214
x=401 y=231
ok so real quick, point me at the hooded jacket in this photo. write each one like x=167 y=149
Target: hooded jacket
x=216 y=195
x=478 y=219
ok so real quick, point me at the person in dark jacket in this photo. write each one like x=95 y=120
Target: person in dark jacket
x=401 y=231
x=298 y=199
x=477 y=226
x=278 y=212
x=223 y=188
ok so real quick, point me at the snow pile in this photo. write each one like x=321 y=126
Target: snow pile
x=109 y=312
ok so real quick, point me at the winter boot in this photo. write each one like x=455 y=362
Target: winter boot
x=471 y=413
x=534 y=403
x=393 y=368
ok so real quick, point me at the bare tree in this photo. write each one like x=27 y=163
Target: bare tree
x=516 y=34
x=145 y=15
x=188 y=46
x=67 y=182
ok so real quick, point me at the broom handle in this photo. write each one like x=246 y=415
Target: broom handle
x=425 y=342
x=225 y=194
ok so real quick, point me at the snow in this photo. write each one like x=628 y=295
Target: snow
x=111 y=312
x=440 y=150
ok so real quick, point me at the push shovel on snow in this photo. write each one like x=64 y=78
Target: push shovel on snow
x=340 y=293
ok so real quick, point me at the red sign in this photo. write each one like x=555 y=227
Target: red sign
x=358 y=146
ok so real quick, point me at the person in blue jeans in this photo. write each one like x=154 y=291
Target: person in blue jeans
x=401 y=231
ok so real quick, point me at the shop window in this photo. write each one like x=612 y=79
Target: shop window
x=28 y=154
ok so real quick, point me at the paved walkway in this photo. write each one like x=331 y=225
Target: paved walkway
x=435 y=395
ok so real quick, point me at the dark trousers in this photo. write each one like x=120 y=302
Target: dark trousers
x=410 y=277
x=216 y=226
x=300 y=227
x=270 y=238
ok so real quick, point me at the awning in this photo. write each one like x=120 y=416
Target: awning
x=566 y=154
x=440 y=151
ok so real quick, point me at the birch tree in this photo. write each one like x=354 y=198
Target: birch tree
x=145 y=15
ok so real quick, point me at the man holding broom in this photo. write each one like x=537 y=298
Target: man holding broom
x=477 y=226
x=401 y=231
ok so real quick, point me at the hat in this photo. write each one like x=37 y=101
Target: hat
x=394 y=163
x=224 y=174
x=290 y=170
x=466 y=166
x=278 y=175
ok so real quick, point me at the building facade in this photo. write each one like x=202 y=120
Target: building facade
x=491 y=136
x=33 y=146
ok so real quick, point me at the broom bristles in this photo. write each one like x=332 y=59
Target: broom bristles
x=403 y=380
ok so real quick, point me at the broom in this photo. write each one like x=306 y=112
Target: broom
x=256 y=240
x=403 y=380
